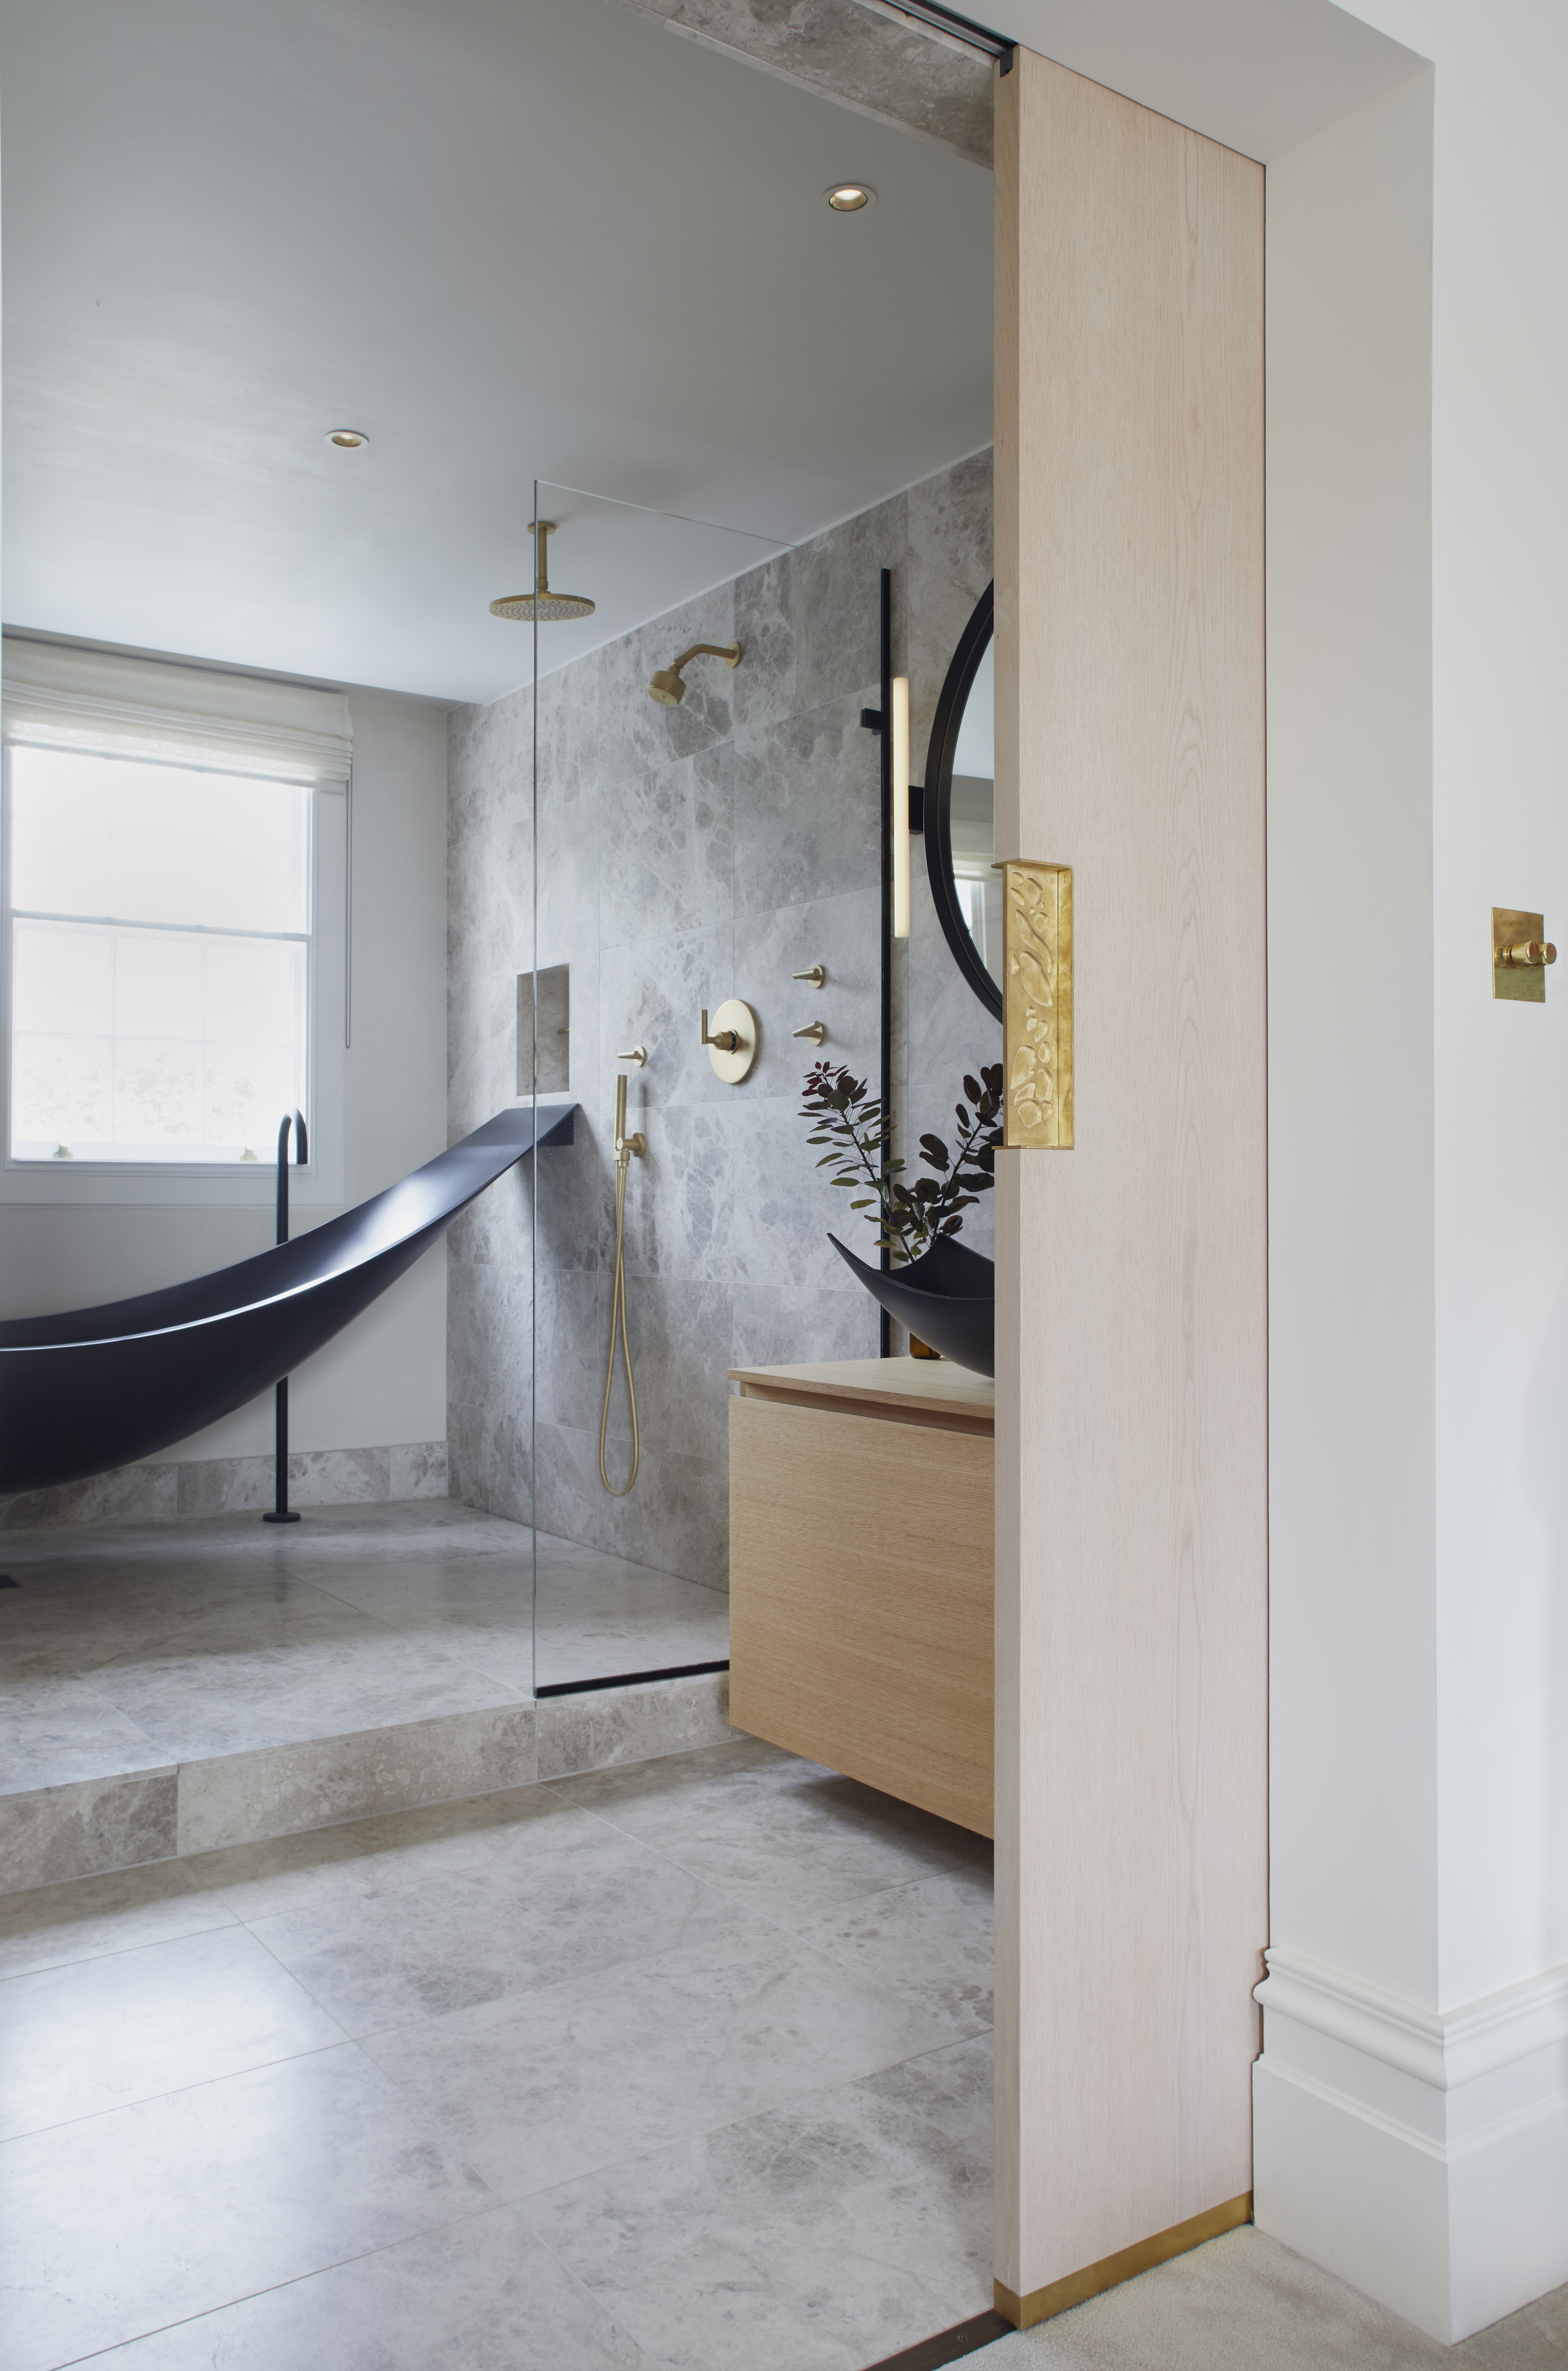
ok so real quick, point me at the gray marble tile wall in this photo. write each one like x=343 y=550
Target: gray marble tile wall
x=682 y=856
x=216 y=1485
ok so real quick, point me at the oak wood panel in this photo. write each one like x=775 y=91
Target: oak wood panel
x=925 y=1388
x=1131 y=1582
x=860 y=1599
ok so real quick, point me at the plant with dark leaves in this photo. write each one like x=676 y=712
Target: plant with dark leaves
x=854 y=1126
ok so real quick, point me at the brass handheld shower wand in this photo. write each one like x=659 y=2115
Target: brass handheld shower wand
x=626 y=1146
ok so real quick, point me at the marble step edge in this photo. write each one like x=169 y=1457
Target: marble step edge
x=92 y=1825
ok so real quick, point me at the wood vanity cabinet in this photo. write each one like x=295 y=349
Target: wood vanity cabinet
x=862 y=1573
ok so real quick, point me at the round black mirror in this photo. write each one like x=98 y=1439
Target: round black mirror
x=960 y=811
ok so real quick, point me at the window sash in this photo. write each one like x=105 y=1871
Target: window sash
x=176 y=1177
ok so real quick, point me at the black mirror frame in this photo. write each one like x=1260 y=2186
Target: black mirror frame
x=937 y=806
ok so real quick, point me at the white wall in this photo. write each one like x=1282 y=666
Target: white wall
x=1412 y=2099
x=383 y=1381
x=1351 y=1121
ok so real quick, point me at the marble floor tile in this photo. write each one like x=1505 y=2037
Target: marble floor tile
x=785 y=1836
x=54 y=1834
x=122 y=2224
x=480 y=1935
x=606 y=2066
x=55 y=1728
x=615 y=1726
x=200 y=1637
x=483 y=2295
x=382 y=1856
x=53 y=1925
x=279 y=1790
x=592 y=1622
x=931 y=1941
x=104 y=2033
x=820 y=2237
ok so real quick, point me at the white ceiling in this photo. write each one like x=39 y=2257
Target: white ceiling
x=507 y=238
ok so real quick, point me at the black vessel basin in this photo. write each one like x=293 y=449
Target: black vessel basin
x=948 y=1297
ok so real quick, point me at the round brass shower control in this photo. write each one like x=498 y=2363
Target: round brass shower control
x=732 y=1041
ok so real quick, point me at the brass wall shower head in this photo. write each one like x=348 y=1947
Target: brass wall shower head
x=541 y=602
x=667 y=688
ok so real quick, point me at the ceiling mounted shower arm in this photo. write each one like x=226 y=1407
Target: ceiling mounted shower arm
x=541 y=606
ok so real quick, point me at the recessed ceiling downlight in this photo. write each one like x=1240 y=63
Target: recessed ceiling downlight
x=848 y=197
x=347 y=440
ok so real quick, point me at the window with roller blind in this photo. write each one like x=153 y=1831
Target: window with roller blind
x=166 y=999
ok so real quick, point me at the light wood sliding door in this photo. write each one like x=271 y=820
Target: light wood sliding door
x=1131 y=1516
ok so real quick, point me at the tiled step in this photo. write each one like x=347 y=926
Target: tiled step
x=91 y=1825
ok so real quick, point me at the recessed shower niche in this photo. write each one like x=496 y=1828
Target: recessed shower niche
x=543 y=1030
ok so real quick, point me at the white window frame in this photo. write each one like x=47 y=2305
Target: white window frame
x=317 y=1183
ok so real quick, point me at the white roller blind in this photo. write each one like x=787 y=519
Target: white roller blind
x=187 y=716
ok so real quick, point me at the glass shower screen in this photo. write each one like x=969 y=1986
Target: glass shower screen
x=643 y=896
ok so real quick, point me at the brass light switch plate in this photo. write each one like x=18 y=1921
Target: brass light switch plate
x=1520 y=953
x=1037 y=1005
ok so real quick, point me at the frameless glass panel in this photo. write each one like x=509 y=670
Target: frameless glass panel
x=662 y=862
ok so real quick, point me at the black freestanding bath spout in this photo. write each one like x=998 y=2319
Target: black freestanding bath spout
x=279 y=1512
x=90 y=1389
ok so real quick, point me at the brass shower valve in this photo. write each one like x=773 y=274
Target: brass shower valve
x=731 y=1044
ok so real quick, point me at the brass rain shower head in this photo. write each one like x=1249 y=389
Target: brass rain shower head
x=541 y=602
x=668 y=688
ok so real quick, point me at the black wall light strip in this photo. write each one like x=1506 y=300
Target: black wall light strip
x=884 y=1331
x=630 y=1678
x=963 y=28
x=950 y=2345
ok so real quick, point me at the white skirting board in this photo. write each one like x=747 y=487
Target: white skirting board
x=1423 y=2156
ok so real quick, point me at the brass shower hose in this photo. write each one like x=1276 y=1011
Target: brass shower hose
x=624 y=1146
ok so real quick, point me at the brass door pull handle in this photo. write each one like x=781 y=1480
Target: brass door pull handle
x=815 y=977
x=815 y=1030
x=725 y=1039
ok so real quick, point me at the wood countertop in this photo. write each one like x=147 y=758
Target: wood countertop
x=907 y=1390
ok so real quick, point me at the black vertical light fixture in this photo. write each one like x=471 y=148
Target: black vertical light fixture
x=280 y=1510
x=879 y=721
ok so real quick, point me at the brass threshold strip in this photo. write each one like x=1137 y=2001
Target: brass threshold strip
x=1039 y=2304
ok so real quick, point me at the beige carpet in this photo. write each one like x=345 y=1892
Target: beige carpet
x=1244 y=2303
